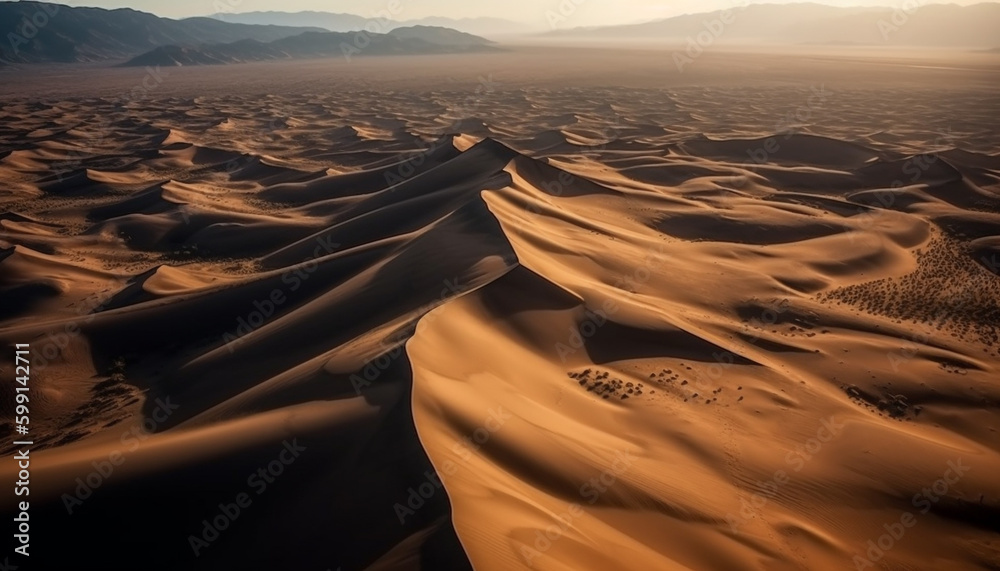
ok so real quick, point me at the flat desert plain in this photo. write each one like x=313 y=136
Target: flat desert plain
x=549 y=308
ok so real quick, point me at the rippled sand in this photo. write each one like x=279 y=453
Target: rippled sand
x=549 y=309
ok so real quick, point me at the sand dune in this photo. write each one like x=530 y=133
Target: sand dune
x=558 y=326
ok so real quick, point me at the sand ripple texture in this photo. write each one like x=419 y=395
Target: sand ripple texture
x=627 y=329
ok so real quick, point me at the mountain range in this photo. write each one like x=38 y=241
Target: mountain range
x=43 y=32
x=338 y=22
x=46 y=33
x=401 y=41
x=69 y=34
x=931 y=25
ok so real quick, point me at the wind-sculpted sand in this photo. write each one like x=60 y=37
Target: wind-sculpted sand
x=508 y=322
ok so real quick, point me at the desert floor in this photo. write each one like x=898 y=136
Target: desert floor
x=561 y=309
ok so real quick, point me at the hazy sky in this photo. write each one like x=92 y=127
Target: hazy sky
x=571 y=13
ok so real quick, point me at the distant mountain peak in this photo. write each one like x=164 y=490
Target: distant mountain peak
x=341 y=22
x=96 y=34
x=402 y=41
x=930 y=25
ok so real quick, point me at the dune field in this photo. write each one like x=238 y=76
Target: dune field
x=556 y=309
